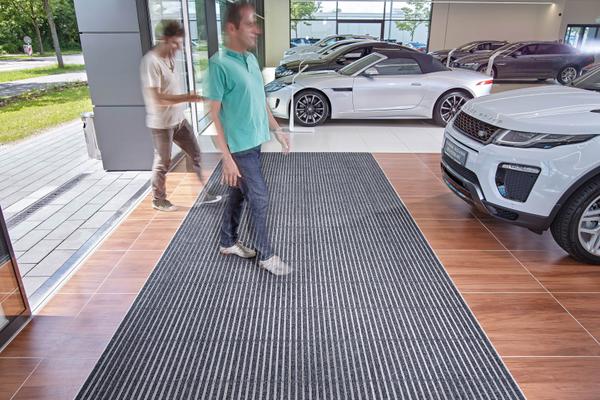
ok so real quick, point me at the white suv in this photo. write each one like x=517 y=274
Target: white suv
x=532 y=157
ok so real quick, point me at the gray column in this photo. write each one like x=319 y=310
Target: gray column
x=114 y=36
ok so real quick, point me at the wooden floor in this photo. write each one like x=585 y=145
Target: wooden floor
x=539 y=308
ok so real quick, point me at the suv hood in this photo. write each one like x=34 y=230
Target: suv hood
x=553 y=109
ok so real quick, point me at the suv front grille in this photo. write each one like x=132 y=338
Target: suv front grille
x=474 y=128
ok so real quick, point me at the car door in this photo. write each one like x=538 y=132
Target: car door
x=546 y=60
x=392 y=87
x=517 y=64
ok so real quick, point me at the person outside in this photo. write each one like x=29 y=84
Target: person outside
x=164 y=112
x=242 y=118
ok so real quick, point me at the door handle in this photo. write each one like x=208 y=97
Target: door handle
x=415 y=84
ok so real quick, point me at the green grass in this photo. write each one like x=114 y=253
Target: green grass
x=8 y=57
x=34 y=112
x=8 y=76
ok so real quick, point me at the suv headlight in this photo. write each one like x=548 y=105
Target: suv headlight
x=471 y=65
x=286 y=72
x=538 y=140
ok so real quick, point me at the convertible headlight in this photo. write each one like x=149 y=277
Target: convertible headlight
x=538 y=140
x=274 y=86
x=286 y=72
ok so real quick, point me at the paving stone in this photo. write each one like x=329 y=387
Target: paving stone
x=17 y=232
x=30 y=239
x=33 y=283
x=64 y=230
x=77 y=239
x=38 y=252
x=86 y=212
x=98 y=219
x=49 y=265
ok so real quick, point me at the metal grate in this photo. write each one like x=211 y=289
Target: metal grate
x=47 y=199
x=474 y=128
x=369 y=312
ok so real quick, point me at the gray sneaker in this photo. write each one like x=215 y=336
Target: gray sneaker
x=276 y=266
x=210 y=198
x=163 y=205
x=239 y=250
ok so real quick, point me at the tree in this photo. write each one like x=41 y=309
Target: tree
x=303 y=10
x=55 y=41
x=414 y=16
x=34 y=13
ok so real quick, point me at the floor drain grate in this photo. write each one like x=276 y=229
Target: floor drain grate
x=44 y=201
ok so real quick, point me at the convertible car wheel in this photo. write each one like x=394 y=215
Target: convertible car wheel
x=448 y=106
x=310 y=108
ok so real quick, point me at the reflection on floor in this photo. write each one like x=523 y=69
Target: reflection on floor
x=538 y=307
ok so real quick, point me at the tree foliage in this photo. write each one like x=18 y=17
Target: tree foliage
x=415 y=14
x=19 y=17
x=302 y=11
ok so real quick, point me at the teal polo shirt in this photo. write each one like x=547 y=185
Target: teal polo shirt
x=236 y=81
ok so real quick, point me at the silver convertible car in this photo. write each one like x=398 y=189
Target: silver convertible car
x=387 y=84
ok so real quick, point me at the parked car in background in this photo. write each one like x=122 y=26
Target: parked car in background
x=326 y=41
x=530 y=60
x=530 y=157
x=296 y=42
x=320 y=53
x=476 y=47
x=338 y=59
x=389 y=83
x=422 y=47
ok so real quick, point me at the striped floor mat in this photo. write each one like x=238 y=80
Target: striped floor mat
x=369 y=312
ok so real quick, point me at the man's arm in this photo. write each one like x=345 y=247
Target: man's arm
x=163 y=99
x=281 y=137
x=231 y=173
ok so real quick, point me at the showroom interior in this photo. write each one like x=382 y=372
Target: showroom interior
x=440 y=208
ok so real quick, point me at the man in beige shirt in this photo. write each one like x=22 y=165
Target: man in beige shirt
x=164 y=108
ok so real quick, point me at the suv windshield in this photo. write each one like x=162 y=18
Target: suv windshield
x=360 y=64
x=589 y=81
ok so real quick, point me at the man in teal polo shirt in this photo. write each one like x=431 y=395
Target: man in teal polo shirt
x=239 y=110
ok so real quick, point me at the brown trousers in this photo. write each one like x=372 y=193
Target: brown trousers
x=183 y=136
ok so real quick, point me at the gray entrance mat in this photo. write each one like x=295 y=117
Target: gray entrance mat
x=369 y=312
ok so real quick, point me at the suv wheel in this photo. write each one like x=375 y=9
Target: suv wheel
x=567 y=75
x=577 y=226
x=448 y=106
x=310 y=108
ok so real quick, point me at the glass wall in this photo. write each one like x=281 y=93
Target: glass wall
x=404 y=22
x=584 y=37
x=203 y=19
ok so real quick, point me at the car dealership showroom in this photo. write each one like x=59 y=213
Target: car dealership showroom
x=415 y=184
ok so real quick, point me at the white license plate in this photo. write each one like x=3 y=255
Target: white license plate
x=456 y=153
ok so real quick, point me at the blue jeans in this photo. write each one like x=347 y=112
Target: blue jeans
x=252 y=188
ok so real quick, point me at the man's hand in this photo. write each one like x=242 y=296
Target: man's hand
x=231 y=173
x=193 y=97
x=284 y=140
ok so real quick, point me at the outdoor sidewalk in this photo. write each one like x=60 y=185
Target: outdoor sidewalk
x=36 y=62
x=59 y=203
x=14 y=88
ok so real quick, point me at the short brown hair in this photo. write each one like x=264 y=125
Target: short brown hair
x=171 y=28
x=233 y=15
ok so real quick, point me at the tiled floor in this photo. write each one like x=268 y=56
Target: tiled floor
x=538 y=307
x=63 y=200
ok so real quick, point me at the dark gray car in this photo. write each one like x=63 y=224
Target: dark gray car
x=530 y=60
x=467 y=49
x=336 y=60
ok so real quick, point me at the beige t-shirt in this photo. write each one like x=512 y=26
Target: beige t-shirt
x=160 y=73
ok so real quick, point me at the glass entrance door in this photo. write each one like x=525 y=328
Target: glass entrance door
x=371 y=28
x=14 y=309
